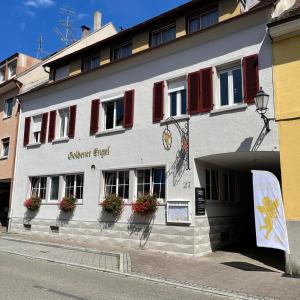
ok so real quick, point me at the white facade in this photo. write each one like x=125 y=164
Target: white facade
x=224 y=139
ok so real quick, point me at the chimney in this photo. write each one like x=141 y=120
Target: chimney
x=97 y=20
x=85 y=31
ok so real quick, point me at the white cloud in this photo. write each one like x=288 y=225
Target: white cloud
x=38 y=3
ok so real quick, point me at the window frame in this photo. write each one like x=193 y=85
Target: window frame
x=120 y=47
x=39 y=186
x=13 y=62
x=104 y=113
x=91 y=58
x=66 y=112
x=228 y=198
x=126 y=200
x=178 y=92
x=230 y=85
x=160 y=200
x=198 y=15
x=3 y=67
x=161 y=30
x=50 y=181
x=33 y=138
x=210 y=198
x=6 y=115
x=3 y=141
x=78 y=201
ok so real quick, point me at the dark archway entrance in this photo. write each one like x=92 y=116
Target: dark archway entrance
x=4 y=202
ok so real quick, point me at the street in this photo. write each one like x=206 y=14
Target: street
x=22 y=278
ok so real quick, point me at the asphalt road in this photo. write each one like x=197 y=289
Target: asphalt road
x=22 y=278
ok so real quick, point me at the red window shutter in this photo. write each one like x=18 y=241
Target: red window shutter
x=52 y=123
x=94 y=125
x=44 y=128
x=158 y=101
x=206 y=87
x=251 y=78
x=26 y=131
x=194 y=93
x=128 y=108
x=72 y=122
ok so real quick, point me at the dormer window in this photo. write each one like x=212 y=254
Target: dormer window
x=122 y=51
x=91 y=62
x=163 y=35
x=12 y=69
x=203 y=20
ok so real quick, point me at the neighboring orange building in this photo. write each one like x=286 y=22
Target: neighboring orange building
x=9 y=114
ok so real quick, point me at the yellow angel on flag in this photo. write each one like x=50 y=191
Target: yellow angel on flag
x=269 y=209
x=271 y=231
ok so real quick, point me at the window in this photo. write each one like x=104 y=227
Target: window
x=74 y=186
x=230 y=86
x=212 y=184
x=12 y=69
x=177 y=98
x=163 y=35
x=62 y=72
x=54 y=188
x=2 y=74
x=5 y=148
x=113 y=113
x=230 y=190
x=117 y=183
x=91 y=62
x=37 y=125
x=8 y=109
x=63 y=123
x=39 y=187
x=151 y=181
x=202 y=21
x=122 y=51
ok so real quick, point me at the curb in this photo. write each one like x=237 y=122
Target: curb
x=124 y=258
x=126 y=261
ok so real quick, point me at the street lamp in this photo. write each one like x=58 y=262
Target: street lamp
x=261 y=101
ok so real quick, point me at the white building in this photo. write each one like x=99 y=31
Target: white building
x=108 y=120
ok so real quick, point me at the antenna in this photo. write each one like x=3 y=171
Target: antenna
x=41 y=50
x=67 y=36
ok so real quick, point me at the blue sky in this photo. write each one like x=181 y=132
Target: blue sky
x=23 y=21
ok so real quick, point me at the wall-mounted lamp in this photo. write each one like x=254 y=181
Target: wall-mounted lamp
x=261 y=101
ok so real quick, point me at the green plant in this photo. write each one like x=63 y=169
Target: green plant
x=113 y=204
x=33 y=203
x=67 y=204
x=145 y=205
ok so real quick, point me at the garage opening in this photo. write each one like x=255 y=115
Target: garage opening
x=4 y=204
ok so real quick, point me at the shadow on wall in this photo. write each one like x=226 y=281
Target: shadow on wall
x=141 y=226
x=178 y=167
x=107 y=221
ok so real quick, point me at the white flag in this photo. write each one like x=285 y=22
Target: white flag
x=270 y=222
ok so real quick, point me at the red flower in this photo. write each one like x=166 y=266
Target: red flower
x=145 y=205
x=67 y=204
x=33 y=203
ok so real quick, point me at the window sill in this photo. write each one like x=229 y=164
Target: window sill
x=111 y=131
x=4 y=158
x=177 y=118
x=60 y=140
x=231 y=108
x=34 y=145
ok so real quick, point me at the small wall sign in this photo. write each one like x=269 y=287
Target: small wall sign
x=97 y=152
x=178 y=212
x=200 y=202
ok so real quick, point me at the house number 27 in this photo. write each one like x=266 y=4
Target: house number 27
x=187 y=185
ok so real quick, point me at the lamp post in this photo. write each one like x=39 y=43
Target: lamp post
x=261 y=101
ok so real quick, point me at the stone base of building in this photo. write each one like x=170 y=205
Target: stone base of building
x=205 y=236
x=293 y=260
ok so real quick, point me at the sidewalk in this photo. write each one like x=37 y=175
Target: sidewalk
x=228 y=271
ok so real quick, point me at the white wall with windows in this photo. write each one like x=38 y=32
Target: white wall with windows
x=137 y=161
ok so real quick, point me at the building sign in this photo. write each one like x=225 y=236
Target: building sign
x=97 y=152
x=167 y=139
x=178 y=212
x=200 y=201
